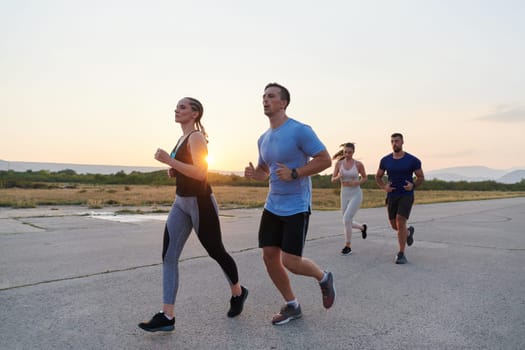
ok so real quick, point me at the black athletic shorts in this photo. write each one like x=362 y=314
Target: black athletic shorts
x=286 y=232
x=399 y=205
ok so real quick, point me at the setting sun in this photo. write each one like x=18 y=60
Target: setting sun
x=209 y=159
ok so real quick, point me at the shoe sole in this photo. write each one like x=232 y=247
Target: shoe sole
x=286 y=320
x=410 y=238
x=335 y=295
x=159 y=329
x=346 y=254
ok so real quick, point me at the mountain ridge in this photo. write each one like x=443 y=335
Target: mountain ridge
x=477 y=173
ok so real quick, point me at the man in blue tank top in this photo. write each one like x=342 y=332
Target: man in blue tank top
x=289 y=152
x=400 y=166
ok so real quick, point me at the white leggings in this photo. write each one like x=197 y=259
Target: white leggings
x=351 y=198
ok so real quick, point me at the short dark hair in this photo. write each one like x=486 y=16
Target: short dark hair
x=397 y=134
x=284 y=94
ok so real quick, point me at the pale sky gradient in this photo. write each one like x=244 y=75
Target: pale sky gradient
x=96 y=82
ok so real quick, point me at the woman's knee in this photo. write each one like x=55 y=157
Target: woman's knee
x=170 y=259
x=216 y=253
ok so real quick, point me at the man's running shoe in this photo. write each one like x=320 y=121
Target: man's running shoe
x=410 y=237
x=328 y=290
x=401 y=258
x=237 y=303
x=159 y=322
x=363 y=231
x=346 y=251
x=287 y=314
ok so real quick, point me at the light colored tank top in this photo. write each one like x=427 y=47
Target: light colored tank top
x=349 y=174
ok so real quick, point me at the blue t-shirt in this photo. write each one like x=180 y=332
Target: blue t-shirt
x=292 y=144
x=399 y=171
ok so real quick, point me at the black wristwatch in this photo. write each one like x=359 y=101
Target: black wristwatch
x=294 y=174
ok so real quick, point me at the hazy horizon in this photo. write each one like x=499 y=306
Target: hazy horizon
x=162 y=166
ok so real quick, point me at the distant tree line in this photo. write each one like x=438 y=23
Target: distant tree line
x=68 y=177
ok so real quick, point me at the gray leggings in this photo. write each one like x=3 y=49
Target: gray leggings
x=351 y=198
x=201 y=214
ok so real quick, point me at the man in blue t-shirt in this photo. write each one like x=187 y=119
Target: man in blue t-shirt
x=400 y=167
x=289 y=152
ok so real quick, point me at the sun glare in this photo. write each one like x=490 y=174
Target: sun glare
x=209 y=159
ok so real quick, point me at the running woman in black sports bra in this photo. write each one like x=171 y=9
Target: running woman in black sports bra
x=195 y=208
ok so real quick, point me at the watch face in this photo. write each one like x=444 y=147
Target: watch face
x=294 y=174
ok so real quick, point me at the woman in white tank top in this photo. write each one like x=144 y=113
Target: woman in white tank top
x=351 y=174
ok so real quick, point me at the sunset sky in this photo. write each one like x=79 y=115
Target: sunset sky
x=96 y=82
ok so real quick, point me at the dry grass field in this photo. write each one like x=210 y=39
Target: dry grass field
x=228 y=197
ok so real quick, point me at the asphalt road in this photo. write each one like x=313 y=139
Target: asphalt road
x=73 y=278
